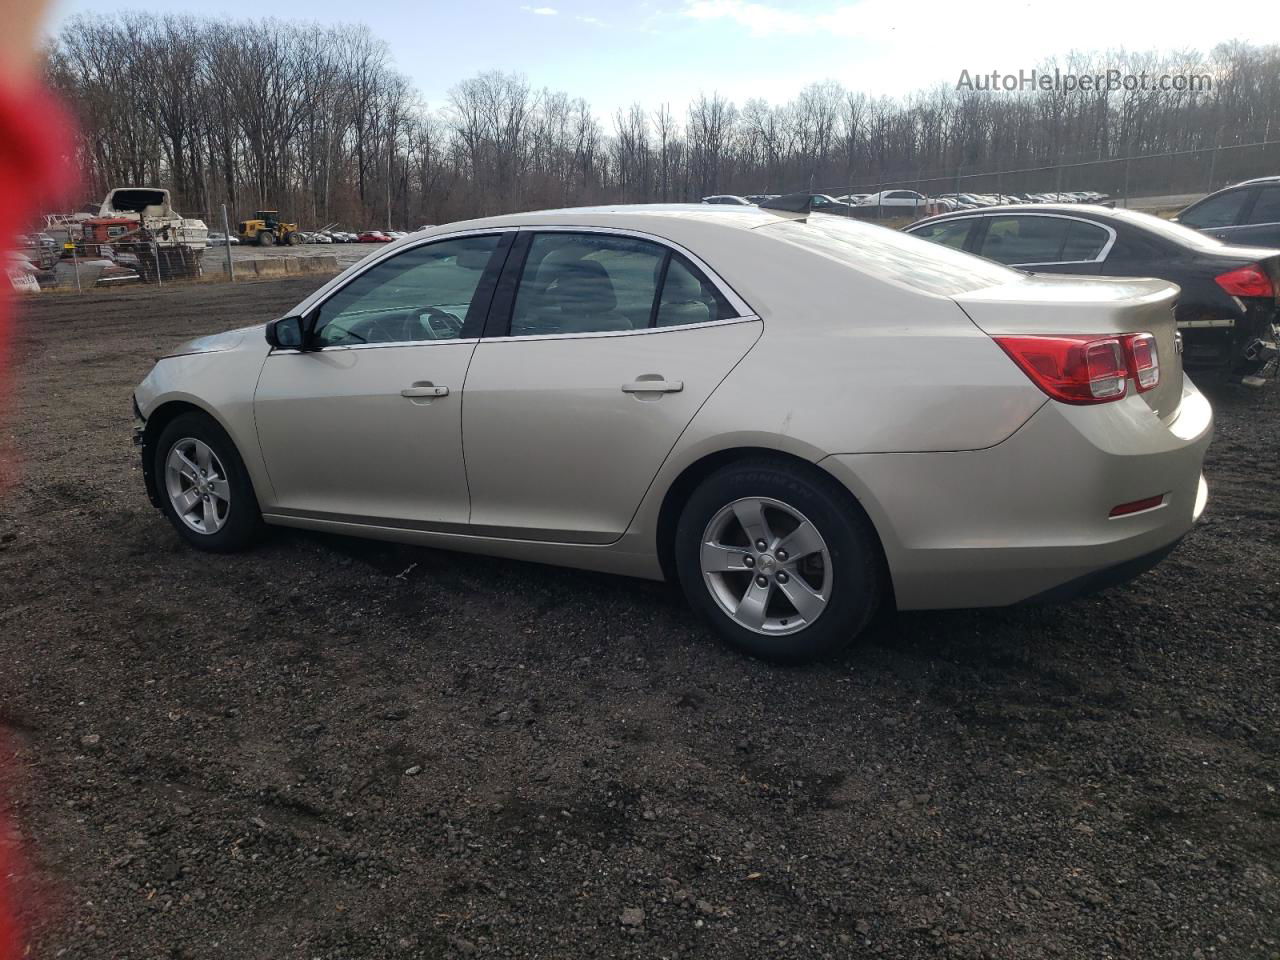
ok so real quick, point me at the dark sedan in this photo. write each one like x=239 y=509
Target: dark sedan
x=1248 y=212
x=1229 y=310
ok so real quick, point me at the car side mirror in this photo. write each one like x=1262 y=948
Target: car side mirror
x=287 y=333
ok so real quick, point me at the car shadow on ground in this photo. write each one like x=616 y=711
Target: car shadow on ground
x=985 y=637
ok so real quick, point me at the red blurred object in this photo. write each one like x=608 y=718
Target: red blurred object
x=10 y=936
x=35 y=169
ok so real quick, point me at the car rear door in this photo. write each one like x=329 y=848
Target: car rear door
x=366 y=426
x=602 y=345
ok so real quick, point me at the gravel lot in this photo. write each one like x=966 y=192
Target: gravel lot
x=328 y=748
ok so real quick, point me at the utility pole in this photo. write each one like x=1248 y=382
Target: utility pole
x=226 y=235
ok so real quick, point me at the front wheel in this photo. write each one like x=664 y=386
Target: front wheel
x=779 y=559
x=205 y=490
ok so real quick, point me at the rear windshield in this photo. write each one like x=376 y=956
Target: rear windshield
x=893 y=256
x=1174 y=232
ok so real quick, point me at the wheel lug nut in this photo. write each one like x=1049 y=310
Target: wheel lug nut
x=762 y=581
x=748 y=561
x=782 y=556
x=782 y=577
x=761 y=545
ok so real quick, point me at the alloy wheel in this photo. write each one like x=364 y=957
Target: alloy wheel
x=766 y=565
x=197 y=485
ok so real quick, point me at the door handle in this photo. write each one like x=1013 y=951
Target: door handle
x=653 y=386
x=424 y=390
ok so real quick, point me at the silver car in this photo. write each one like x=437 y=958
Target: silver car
x=799 y=418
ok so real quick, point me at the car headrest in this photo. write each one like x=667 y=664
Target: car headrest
x=681 y=286
x=584 y=286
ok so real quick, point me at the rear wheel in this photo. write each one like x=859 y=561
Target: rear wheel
x=205 y=490
x=266 y=238
x=779 y=560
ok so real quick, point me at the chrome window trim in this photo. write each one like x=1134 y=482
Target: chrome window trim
x=745 y=312
x=1102 y=254
x=374 y=346
x=595 y=334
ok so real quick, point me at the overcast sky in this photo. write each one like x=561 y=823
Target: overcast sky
x=621 y=51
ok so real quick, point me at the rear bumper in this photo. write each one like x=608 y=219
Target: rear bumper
x=1029 y=517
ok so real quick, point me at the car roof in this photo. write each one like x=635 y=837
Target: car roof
x=1021 y=208
x=1245 y=183
x=638 y=216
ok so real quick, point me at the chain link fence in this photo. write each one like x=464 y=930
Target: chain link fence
x=1154 y=182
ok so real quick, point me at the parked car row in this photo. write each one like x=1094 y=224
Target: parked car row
x=219 y=239
x=912 y=201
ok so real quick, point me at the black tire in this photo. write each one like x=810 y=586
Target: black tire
x=243 y=524
x=293 y=238
x=266 y=238
x=851 y=541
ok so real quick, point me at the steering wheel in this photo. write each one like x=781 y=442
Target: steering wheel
x=452 y=326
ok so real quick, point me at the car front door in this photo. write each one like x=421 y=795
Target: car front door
x=602 y=348
x=365 y=425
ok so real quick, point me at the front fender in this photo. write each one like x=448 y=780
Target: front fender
x=221 y=385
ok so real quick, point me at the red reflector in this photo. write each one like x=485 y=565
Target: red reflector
x=1136 y=506
x=1144 y=360
x=1250 y=281
x=1073 y=369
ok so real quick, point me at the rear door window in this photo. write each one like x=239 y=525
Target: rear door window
x=1085 y=241
x=1025 y=239
x=603 y=283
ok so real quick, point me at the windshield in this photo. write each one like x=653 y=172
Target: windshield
x=893 y=256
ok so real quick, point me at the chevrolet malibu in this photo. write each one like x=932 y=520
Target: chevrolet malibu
x=799 y=417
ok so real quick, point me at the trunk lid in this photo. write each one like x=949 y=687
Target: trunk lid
x=1047 y=304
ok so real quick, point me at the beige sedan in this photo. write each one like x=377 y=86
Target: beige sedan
x=798 y=417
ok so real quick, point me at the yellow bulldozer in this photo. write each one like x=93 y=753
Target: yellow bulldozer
x=267 y=229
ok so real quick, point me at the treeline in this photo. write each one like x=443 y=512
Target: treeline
x=316 y=121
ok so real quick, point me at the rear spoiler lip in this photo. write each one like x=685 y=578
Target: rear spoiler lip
x=1011 y=309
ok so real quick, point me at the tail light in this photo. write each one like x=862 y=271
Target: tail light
x=1250 y=281
x=1144 y=360
x=1073 y=369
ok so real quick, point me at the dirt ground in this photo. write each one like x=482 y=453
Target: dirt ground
x=327 y=748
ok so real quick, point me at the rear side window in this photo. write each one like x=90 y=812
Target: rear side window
x=949 y=233
x=599 y=283
x=1267 y=207
x=1085 y=241
x=1222 y=210
x=689 y=297
x=1025 y=239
